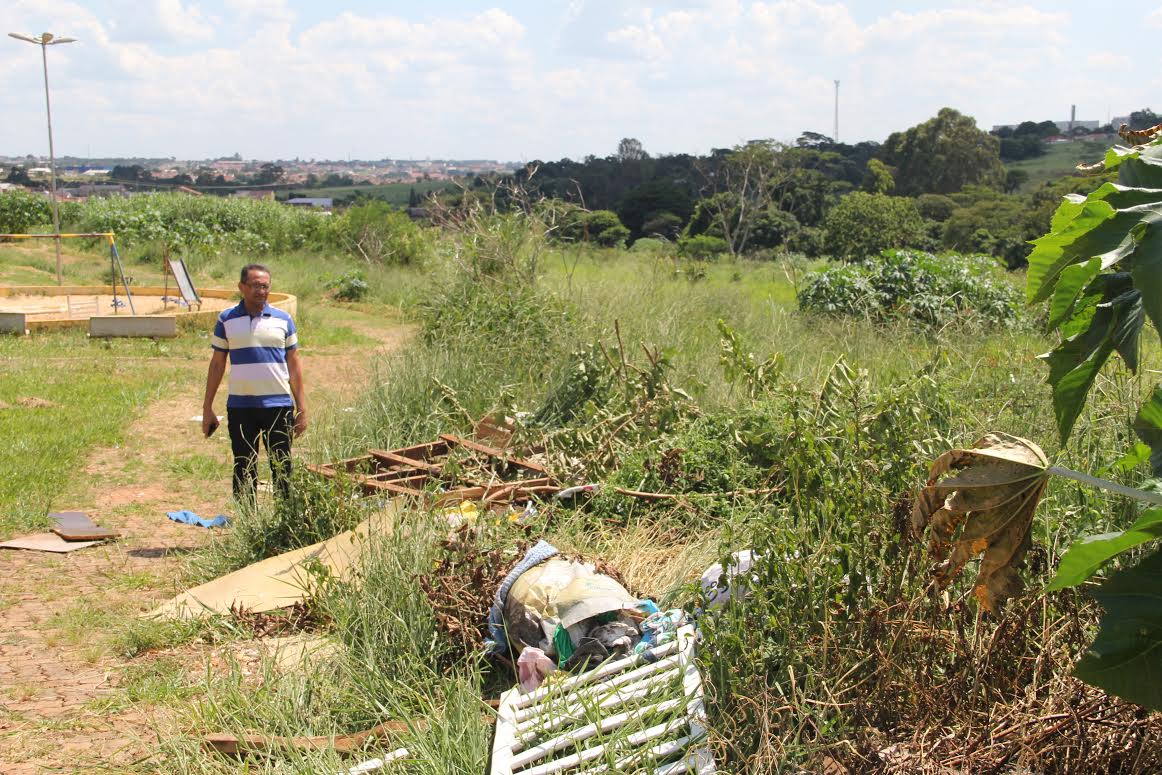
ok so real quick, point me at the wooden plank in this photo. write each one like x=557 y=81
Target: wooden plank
x=155 y=326
x=423 y=451
x=351 y=743
x=403 y=477
x=493 y=452
x=93 y=533
x=375 y=486
x=13 y=323
x=391 y=457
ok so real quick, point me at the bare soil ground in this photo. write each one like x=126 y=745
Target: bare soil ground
x=62 y=689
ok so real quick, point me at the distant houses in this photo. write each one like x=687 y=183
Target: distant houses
x=320 y=202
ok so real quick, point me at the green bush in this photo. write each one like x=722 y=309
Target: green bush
x=905 y=283
x=380 y=234
x=349 y=287
x=203 y=225
x=702 y=247
x=21 y=210
x=863 y=224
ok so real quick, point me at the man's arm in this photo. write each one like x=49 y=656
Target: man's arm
x=213 y=380
x=294 y=366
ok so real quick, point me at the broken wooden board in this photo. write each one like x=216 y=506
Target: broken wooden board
x=419 y=471
x=93 y=533
x=640 y=713
x=235 y=745
x=276 y=582
x=46 y=542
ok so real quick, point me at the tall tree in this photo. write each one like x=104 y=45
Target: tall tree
x=630 y=149
x=942 y=155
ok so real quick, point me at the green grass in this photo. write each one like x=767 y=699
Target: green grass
x=65 y=394
x=1059 y=160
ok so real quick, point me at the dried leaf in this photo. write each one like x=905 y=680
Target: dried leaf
x=980 y=501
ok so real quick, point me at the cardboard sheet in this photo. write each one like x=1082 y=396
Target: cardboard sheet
x=276 y=582
x=45 y=542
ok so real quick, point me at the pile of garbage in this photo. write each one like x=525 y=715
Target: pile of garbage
x=553 y=613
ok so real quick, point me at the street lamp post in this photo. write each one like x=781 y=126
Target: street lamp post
x=44 y=40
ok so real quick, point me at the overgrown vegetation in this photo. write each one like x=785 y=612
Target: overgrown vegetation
x=933 y=290
x=800 y=436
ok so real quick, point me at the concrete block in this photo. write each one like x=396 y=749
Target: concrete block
x=13 y=323
x=155 y=326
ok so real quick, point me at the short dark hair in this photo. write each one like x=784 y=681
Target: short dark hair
x=246 y=270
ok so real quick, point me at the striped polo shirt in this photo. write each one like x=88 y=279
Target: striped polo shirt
x=258 y=345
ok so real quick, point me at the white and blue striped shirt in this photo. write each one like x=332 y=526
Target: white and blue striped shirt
x=258 y=345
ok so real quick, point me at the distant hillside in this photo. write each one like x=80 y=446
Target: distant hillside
x=1059 y=159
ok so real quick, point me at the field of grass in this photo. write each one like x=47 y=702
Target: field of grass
x=615 y=362
x=1059 y=160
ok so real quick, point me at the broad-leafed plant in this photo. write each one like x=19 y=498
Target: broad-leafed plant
x=1100 y=270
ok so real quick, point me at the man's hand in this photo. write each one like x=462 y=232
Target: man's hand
x=209 y=423
x=300 y=422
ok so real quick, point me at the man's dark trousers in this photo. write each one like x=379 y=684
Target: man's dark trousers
x=275 y=428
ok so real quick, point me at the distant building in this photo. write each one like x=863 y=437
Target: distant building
x=321 y=202
x=245 y=194
x=1066 y=126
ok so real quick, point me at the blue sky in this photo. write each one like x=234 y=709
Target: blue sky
x=518 y=81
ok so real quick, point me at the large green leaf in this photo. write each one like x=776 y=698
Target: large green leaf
x=1146 y=266
x=1148 y=426
x=1143 y=170
x=1098 y=230
x=1126 y=657
x=1122 y=197
x=1075 y=363
x=1052 y=253
x=1070 y=283
x=1087 y=555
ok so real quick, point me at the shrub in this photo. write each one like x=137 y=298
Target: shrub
x=905 y=283
x=202 y=225
x=21 y=210
x=380 y=234
x=349 y=287
x=702 y=247
x=864 y=224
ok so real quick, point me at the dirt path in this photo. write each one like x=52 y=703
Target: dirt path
x=62 y=691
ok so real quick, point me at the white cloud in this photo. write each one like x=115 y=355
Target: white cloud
x=1108 y=61
x=158 y=21
x=681 y=75
x=1154 y=18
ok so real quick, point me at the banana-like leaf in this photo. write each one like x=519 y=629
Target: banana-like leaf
x=1087 y=555
x=1126 y=657
x=1146 y=266
x=1070 y=283
x=980 y=501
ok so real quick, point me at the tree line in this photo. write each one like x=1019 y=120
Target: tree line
x=941 y=184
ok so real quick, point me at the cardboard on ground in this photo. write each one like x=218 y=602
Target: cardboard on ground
x=46 y=542
x=276 y=582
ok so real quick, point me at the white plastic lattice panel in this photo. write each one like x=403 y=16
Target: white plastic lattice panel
x=642 y=713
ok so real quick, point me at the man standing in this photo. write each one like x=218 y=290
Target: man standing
x=267 y=401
